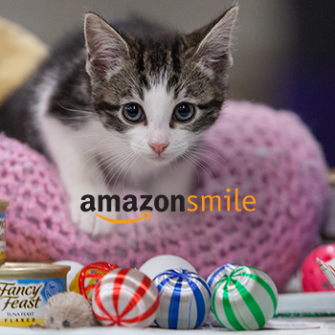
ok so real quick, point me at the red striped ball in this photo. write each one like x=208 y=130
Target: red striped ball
x=125 y=297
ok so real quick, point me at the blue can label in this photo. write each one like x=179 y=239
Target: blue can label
x=23 y=301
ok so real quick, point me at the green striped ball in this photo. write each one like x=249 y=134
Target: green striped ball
x=244 y=299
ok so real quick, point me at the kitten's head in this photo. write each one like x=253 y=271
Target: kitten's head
x=160 y=90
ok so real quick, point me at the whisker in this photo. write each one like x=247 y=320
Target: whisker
x=193 y=166
x=130 y=166
x=119 y=171
x=118 y=160
x=74 y=110
x=104 y=162
x=204 y=152
x=101 y=160
x=198 y=163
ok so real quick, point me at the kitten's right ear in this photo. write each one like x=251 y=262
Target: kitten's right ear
x=213 y=42
x=106 y=49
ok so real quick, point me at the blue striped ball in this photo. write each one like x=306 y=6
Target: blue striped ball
x=185 y=299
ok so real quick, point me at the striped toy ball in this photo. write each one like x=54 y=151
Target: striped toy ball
x=244 y=299
x=125 y=297
x=219 y=273
x=185 y=299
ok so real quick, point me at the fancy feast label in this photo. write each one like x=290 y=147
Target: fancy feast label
x=16 y=296
x=23 y=301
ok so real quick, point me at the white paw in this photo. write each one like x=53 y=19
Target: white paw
x=88 y=221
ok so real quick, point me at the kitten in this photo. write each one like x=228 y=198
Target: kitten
x=125 y=103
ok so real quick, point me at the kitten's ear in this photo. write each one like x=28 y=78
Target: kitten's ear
x=214 y=42
x=106 y=49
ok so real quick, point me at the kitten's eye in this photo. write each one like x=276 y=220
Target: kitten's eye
x=183 y=112
x=133 y=112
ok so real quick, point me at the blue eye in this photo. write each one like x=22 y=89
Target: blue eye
x=183 y=112
x=133 y=112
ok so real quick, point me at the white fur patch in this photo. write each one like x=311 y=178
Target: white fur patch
x=158 y=106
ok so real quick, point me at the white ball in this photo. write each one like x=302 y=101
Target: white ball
x=159 y=264
x=75 y=268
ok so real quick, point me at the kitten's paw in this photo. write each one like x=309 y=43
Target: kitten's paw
x=89 y=222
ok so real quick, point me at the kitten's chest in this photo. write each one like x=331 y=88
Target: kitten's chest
x=143 y=177
x=131 y=173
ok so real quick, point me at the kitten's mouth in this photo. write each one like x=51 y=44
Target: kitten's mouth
x=160 y=159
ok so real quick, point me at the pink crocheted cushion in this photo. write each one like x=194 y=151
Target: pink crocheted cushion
x=268 y=154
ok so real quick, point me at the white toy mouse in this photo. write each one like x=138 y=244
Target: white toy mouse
x=69 y=310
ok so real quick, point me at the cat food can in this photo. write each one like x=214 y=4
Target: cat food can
x=3 y=206
x=25 y=289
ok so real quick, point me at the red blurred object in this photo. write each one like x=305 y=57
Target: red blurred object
x=312 y=278
x=93 y=271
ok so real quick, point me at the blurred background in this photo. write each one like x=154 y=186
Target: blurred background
x=284 y=50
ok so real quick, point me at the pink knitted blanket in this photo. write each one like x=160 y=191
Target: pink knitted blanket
x=268 y=154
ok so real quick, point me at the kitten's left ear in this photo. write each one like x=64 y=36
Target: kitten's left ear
x=214 y=42
x=106 y=49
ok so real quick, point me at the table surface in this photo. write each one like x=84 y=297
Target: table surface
x=300 y=302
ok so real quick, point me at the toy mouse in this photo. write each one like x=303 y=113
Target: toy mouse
x=69 y=310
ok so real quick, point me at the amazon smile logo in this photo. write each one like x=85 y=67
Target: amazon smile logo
x=161 y=203
x=144 y=215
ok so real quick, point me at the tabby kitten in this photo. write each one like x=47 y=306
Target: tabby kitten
x=124 y=105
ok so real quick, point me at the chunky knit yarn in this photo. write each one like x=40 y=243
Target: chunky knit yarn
x=265 y=153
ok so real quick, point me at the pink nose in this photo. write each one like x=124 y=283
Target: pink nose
x=158 y=147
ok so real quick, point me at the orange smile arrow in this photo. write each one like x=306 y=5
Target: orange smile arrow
x=144 y=215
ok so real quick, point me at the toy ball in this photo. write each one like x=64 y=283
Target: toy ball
x=125 y=297
x=312 y=277
x=88 y=276
x=185 y=299
x=219 y=273
x=244 y=299
x=328 y=270
x=75 y=268
x=156 y=265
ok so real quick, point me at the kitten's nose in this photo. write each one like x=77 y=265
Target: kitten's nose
x=158 y=147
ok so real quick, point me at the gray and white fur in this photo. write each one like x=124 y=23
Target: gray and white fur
x=124 y=104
